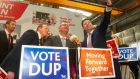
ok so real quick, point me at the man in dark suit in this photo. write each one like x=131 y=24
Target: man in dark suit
x=12 y=62
x=57 y=40
x=95 y=36
x=61 y=40
x=6 y=39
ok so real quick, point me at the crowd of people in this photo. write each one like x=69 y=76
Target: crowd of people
x=95 y=37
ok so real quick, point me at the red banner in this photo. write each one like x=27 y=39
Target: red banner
x=11 y=10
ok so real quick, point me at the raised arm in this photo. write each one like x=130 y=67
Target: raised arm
x=109 y=2
x=106 y=17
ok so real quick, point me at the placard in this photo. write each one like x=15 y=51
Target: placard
x=95 y=63
x=128 y=54
x=41 y=62
x=114 y=47
x=3 y=74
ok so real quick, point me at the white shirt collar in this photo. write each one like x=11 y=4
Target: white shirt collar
x=39 y=35
x=90 y=32
x=7 y=33
x=62 y=36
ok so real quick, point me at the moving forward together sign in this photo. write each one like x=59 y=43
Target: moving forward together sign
x=95 y=63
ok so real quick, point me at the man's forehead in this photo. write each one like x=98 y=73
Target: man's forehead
x=87 y=20
x=45 y=25
x=64 y=23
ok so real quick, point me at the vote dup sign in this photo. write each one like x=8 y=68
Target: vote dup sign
x=41 y=62
x=128 y=54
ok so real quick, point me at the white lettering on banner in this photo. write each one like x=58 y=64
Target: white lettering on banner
x=36 y=68
x=96 y=55
x=93 y=69
x=43 y=69
x=100 y=60
x=126 y=54
x=57 y=67
x=47 y=56
x=95 y=62
x=57 y=56
x=4 y=12
x=127 y=51
x=32 y=66
x=34 y=56
x=5 y=8
x=39 y=69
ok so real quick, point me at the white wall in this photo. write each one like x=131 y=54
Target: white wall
x=26 y=20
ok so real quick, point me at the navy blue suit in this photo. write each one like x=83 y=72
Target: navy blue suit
x=99 y=40
x=12 y=61
x=98 y=35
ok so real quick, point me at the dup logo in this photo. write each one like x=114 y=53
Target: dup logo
x=41 y=62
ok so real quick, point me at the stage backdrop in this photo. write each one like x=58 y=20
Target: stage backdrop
x=29 y=16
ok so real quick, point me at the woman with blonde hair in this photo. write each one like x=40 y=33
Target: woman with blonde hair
x=132 y=64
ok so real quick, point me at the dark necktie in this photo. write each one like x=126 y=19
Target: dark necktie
x=41 y=41
x=10 y=40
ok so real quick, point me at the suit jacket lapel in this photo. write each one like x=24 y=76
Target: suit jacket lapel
x=92 y=38
x=37 y=40
x=5 y=40
x=59 y=43
x=5 y=37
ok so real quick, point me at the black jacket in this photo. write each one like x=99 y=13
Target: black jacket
x=99 y=34
x=5 y=48
x=12 y=61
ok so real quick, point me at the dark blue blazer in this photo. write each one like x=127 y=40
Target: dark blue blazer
x=12 y=61
x=98 y=35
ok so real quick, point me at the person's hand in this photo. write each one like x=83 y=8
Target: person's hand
x=109 y=2
x=10 y=75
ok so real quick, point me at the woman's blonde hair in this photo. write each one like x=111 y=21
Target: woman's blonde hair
x=117 y=39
